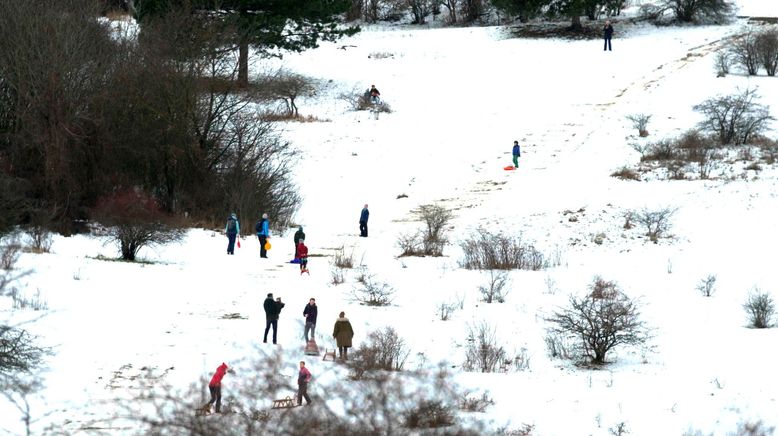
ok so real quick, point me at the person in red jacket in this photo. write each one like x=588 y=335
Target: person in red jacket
x=215 y=386
x=303 y=378
x=302 y=254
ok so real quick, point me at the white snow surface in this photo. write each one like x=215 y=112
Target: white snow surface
x=460 y=96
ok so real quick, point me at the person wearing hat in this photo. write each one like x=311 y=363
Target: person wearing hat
x=272 y=311
x=232 y=229
x=263 y=234
x=302 y=254
x=343 y=333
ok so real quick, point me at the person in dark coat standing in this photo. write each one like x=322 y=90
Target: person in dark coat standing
x=263 y=233
x=607 y=33
x=343 y=334
x=363 y=222
x=516 y=153
x=303 y=378
x=310 y=313
x=298 y=235
x=232 y=229
x=272 y=311
x=215 y=387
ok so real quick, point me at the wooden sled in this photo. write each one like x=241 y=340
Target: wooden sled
x=203 y=411
x=285 y=403
x=311 y=349
x=330 y=354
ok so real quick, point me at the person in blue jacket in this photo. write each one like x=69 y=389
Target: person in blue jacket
x=516 y=153
x=232 y=229
x=363 y=222
x=263 y=233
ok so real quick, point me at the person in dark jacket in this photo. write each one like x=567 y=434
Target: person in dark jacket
x=272 y=311
x=363 y=222
x=215 y=387
x=375 y=96
x=263 y=233
x=516 y=153
x=303 y=378
x=232 y=229
x=607 y=33
x=343 y=334
x=299 y=234
x=310 y=313
x=302 y=251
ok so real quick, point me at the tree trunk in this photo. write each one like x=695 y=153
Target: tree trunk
x=243 y=63
x=576 y=23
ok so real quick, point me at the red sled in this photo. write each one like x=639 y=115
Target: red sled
x=509 y=168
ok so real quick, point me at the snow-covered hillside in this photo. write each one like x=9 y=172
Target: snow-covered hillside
x=460 y=97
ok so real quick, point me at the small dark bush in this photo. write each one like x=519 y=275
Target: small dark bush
x=626 y=173
x=734 y=119
x=383 y=350
x=656 y=222
x=495 y=288
x=482 y=354
x=760 y=308
x=9 y=254
x=662 y=150
x=342 y=259
x=707 y=286
x=475 y=404
x=429 y=414
x=640 y=122
x=767 y=50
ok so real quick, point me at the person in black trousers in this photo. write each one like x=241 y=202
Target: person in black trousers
x=272 y=310
x=607 y=33
x=363 y=222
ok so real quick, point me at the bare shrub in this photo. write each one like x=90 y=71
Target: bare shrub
x=758 y=428
x=498 y=251
x=641 y=147
x=767 y=50
x=435 y=218
x=410 y=244
x=40 y=238
x=373 y=293
x=619 y=429
x=600 y=324
x=342 y=259
x=337 y=276
x=695 y=147
x=656 y=222
x=495 y=289
x=287 y=86
x=723 y=62
x=482 y=354
x=744 y=51
x=383 y=350
x=136 y=222
x=662 y=150
x=34 y=302
x=429 y=414
x=629 y=216
x=640 y=122
x=10 y=252
x=470 y=403
x=734 y=119
x=603 y=289
x=445 y=310
x=707 y=285
x=626 y=173
x=760 y=308
x=18 y=351
x=558 y=346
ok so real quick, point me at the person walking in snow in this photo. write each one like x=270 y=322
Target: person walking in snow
x=303 y=378
x=302 y=252
x=607 y=33
x=298 y=235
x=232 y=229
x=272 y=311
x=343 y=333
x=516 y=153
x=215 y=387
x=310 y=313
x=363 y=221
x=263 y=233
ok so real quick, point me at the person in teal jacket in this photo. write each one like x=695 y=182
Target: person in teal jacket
x=232 y=229
x=263 y=233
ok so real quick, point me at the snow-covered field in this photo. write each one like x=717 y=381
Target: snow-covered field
x=460 y=97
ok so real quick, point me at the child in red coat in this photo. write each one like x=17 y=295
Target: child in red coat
x=302 y=253
x=215 y=386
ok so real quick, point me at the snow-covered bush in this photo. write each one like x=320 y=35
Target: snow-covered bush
x=760 y=308
x=599 y=321
x=383 y=350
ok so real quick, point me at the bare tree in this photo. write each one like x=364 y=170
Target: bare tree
x=287 y=86
x=734 y=118
x=718 y=11
x=767 y=50
x=600 y=324
x=135 y=222
x=640 y=122
x=744 y=50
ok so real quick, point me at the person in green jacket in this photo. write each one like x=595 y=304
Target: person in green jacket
x=343 y=334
